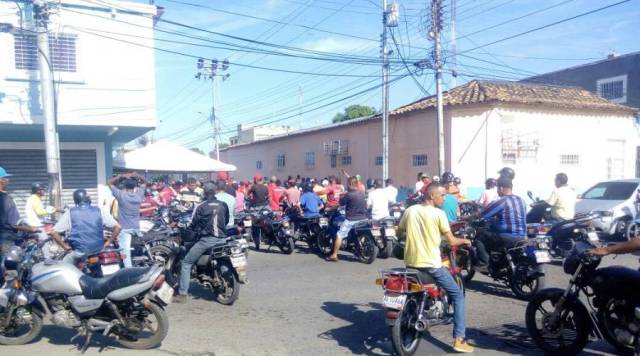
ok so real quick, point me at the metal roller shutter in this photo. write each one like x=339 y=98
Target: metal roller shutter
x=79 y=170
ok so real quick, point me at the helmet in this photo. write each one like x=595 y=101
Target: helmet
x=436 y=179
x=507 y=172
x=148 y=192
x=36 y=187
x=13 y=258
x=81 y=196
x=447 y=177
x=457 y=180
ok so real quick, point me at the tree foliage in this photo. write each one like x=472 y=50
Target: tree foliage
x=197 y=150
x=353 y=112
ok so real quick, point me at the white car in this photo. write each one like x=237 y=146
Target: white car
x=615 y=200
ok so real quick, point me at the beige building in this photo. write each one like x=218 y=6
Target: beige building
x=538 y=130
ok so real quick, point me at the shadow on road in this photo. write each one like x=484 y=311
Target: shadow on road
x=62 y=336
x=496 y=289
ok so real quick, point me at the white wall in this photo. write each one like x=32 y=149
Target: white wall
x=115 y=81
x=558 y=132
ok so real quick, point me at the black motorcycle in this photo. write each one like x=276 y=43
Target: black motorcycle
x=384 y=232
x=273 y=229
x=360 y=241
x=560 y=322
x=521 y=266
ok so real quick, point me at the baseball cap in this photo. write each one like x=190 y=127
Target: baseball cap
x=257 y=177
x=3 y=173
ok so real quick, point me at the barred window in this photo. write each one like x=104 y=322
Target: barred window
x=334 y=161
x=346 y=160
x=570 y=159
x=62 y=52
x=309 y=160
x=614 y=88
x=378 y=160
x=280 y=161
x=258 y=164
x=419 y=160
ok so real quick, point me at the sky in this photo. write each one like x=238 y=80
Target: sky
x=352 y=28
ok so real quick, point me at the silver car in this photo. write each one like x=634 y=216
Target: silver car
x=615 y=200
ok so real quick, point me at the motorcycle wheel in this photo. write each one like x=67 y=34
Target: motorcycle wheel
x=466 y=267
x=228 y=290
x=366 y=249
x=166 y=257
x=524 y=287
x=386 y=251
x=609 y=319
x=147 y=336
x=404 y=337
x=567 y=336
x=324 y=243
x=20 y=330
x=287 y=244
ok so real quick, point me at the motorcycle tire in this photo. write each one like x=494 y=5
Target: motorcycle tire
x=404 y=337
x=324 y=244
x=387 y=250
x=366 y=249
x=158 y=334
x=166 y=257
x=34 y=331
x=579 y=323
x=519 y=281
x=609 y=334
x=229 y=289
x=287 y=245
x=467 y=271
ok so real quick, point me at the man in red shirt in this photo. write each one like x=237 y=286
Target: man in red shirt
x=276 y=194
x=333 y=191
x=165 y=193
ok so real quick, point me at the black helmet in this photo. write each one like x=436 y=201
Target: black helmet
x=36 y=187
x=81 y=196
x=447 y=177
x=507 y=172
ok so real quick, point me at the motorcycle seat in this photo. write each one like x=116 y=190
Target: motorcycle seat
x=424 y=277
x=99 y=288
x=361 y=224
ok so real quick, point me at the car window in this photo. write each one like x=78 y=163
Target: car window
x=611 y=191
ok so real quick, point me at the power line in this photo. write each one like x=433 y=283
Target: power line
x=424 y=91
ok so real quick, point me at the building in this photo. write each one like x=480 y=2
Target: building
x=252 y=133
x=616 y=78
x=105 y=89
x=538 y=130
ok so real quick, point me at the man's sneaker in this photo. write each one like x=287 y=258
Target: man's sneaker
x=180 y=298
x=461 y=345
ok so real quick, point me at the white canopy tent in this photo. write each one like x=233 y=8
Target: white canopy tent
x=164 y=156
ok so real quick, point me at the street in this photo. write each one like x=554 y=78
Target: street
x=301 y=305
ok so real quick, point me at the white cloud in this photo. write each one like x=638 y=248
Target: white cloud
x=332 y=44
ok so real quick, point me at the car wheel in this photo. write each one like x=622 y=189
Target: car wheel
x=622 y=226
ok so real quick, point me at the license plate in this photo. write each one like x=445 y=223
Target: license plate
x=324 y=222
x=239 y=261
x=389 y=232
x=593 y=236
x=375 y=233
x=165 y=293
x=108 y=270
x=394 y=301
x=396 y=214
x=246 y=223
x=543 y=257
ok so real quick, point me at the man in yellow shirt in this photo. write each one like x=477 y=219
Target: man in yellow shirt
x=424 y=225
x=563 y=199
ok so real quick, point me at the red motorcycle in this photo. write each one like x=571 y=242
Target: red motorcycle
x=414 y=302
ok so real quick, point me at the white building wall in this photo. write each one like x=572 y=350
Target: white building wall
x=561 y=132
x=114 y=84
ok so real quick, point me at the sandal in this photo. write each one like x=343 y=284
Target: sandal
x=331 y=259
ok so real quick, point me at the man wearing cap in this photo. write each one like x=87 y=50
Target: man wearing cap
x=9 y=216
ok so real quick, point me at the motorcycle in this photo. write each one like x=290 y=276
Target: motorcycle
x=244 y=221
x=384 y=231
x=413 y=302
x=520 y=266
x=306 y=229
x=122 y=305
x=360 y=241
x=560 y=322
x=465 y=255
x=272 y=228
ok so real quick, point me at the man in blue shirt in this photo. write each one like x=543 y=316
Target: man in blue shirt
x=450 y=204
x=310 y=203
x=506 y=217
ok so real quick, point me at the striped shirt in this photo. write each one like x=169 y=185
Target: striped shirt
x=507 y=215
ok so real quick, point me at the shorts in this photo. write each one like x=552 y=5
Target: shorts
x=345 y=227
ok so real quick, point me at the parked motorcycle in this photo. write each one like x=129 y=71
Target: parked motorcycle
x=306 y=229
x=273 y=229
x=413 y=303
x=128 y=304
x=384 y=231
x=560 y=322
x=360 y=241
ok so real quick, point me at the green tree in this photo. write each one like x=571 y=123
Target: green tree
x=353 y=112
x=197 y=150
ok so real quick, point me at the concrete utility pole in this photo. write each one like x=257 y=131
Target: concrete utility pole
x=52 y=149
x=210 y=72
x=436 y=28
x=452 y=41
x=389 y=19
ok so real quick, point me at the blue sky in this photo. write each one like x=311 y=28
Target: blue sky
x=256 y=95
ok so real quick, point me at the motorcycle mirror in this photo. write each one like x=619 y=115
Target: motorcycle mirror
x=530 y=195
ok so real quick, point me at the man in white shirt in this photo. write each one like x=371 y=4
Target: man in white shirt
x=419 y=183
x=378 y=201
x=392 y=191
x=563 y=199
x=490 y=194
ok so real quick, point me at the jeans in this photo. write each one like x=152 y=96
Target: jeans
x=124 y=241
x=444 y=279
x=192 y=256
x=492 y=239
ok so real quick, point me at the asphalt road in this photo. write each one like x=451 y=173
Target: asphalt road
x=301 y=305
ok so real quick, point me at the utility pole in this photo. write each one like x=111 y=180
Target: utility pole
x=210 y=72
x=52 y=149
x=390 y=14
x=434 y=34
x=452 y=41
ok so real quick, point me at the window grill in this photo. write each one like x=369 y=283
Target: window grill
x=62 y=52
